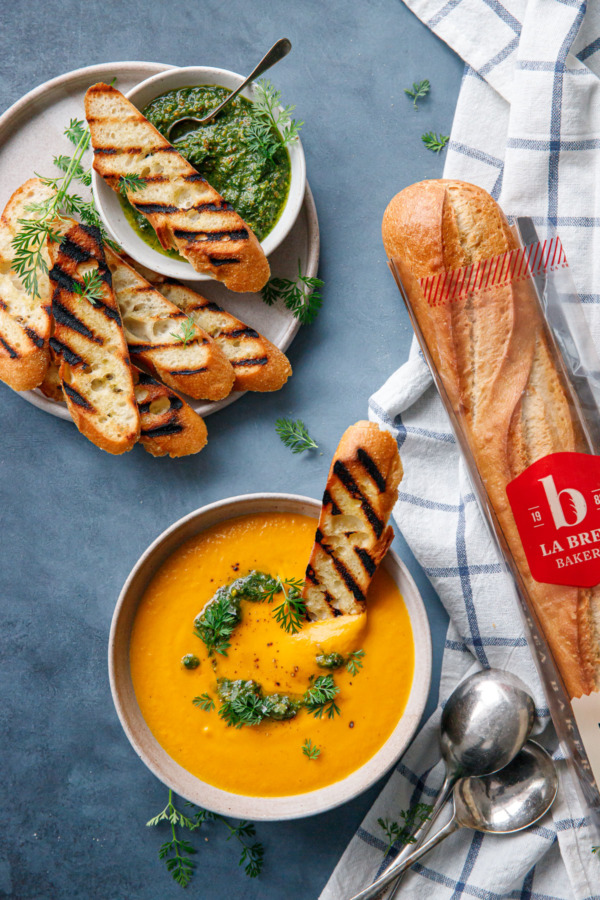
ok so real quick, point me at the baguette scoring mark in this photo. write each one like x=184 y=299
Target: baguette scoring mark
x=499 y=271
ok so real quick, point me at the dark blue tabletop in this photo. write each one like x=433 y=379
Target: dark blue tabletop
x=75 y=797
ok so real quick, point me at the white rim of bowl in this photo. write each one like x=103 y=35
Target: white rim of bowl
x=240 y=805
x=135 y=246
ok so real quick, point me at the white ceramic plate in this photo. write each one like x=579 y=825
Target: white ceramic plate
x=31 y=133
x=174 y=775
x=111 y=210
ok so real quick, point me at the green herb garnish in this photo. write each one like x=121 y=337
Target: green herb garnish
x=272 y=125
x=243 y=703
x=309 y=749
x=354 y=661
x=413 y=818
x=319 y=698
x=420 y=89
x=131 y=183
x=187 y=330
x=291 y=614
x=190 y=661
x=92 y=287
x=205 y=702
x=301 y=295
x=434 y=142
x=176 y=852
x=63 y=162
x=330 y=660
x=294 y=435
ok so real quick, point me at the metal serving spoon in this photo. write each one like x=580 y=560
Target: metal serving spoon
x=501 y=803
x=279 y=49
x=485 y=722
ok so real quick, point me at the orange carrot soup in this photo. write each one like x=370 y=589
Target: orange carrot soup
x=243 y=692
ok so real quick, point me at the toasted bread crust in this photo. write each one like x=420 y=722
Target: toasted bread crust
x=25 y=321
x=257 y=363
x=88 y=337
x=502 y=379
x=169 y=424
x=153 y=328
x=187 y=214
x=353 y=536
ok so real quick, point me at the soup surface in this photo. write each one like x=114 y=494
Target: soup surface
x=266 y=759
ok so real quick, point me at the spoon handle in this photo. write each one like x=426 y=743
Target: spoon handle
x=279 y=49
x=394 y=870
x=421 y=833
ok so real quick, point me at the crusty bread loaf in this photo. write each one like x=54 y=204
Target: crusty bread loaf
x=88 y=336
x=187 y=214
x=502 y=379
x=353 y=535
x=258 y=364
x=25 y=321
x=169 y=424
x=156 y=333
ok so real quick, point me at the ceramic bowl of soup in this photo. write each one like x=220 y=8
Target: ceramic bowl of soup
x=326 y=707
x=267 y=195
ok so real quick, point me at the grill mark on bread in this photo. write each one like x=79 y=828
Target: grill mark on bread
x=310 y=574
x=10 y=350
x=75 y=251
x=33 y=336
x=340 y=568
x=366 y=560
x=257 y=361
x=189 y=371
x=371 y=468
x=328 y=500
x=162 y=430
x=217 y=261
x=154 y=207
x=353 y=489
x=76 y=397
x=65 y=317
x=240 y=332
x=69 y=355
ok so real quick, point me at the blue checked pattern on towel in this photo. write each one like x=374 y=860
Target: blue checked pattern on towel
x=527 y=128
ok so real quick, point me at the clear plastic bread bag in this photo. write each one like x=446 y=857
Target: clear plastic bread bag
x=512 y=356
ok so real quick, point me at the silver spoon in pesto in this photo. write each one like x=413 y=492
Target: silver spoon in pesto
x=279 y=49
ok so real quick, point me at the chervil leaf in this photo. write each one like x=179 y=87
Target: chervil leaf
x=434 y=142
x=294 y=435
x=419 y=90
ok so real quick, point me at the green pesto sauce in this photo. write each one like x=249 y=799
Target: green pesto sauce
x=257 y=188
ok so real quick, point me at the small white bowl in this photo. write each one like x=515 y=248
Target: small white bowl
x=179 y=779
x=107 y=200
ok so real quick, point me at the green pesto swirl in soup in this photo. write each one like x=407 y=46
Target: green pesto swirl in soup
x=221 y=151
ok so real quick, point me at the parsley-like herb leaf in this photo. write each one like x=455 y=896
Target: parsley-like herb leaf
x=310 y=750
x=187 y=330
x=294 y=435
x=131 y=183
x=301 y=295
x=92 y=287
x=319 y=698
x=291 y=614
x=435 y=142
x=205 y=702
x=413 y=818
x=354 y=661
x=419 y=90
x=272 y=125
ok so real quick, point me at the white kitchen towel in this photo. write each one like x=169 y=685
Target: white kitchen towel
x=526 y=128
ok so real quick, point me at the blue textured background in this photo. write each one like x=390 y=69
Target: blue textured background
x=74 y=520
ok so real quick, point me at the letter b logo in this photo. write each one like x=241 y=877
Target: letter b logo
x=578 y=505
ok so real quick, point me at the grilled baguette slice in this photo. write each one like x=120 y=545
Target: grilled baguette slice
x=187 y=214
x=353 y=535
x=169 y=424
x=257 y=363
x=25 y=321
x=88 y=336
x=153 y=328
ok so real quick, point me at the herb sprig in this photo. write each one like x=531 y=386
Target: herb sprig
x=291 y=614
x=92 y=287
x=435 y=142
x=187 y=330
x=301 y=296
x=294 y=435
x=204 y=701
x=272 y=125
x=215 y=624
x=131 y=183
x=354 y=661
x=319 y=699
x=419 y=90
x=402 y=833
x=177 y=852
x=310 y=750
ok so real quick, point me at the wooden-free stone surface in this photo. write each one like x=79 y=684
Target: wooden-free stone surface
x=75 y=797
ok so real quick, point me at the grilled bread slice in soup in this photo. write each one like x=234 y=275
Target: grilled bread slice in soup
x=169 y=424
x=353 y=535
x=187 y=214
x=258 y=364
x=25 y=320
x=162 y=338
x=88 y=337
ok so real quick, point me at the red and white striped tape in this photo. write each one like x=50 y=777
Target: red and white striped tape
x=508 y=268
